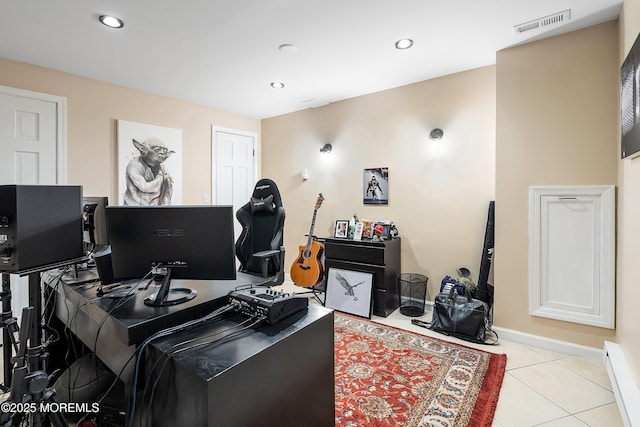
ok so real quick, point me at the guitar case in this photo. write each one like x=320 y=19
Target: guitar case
x=485 y=290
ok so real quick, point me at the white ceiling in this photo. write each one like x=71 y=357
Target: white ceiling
x=224 y=53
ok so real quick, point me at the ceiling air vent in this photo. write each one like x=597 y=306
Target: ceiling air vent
x=315 y=103
x=556 y=18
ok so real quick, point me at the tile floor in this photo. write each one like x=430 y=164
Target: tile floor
x=540 y=387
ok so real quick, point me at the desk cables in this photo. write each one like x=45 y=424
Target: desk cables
x=214 y=315
x=195 y=343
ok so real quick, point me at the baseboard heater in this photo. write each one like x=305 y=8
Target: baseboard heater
x=624 y=387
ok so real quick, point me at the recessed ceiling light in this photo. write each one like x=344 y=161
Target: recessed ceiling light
x=277 y=85
x=111 y=21
x=404 y=44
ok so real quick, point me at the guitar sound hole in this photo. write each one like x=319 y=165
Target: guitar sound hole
x=307 y=254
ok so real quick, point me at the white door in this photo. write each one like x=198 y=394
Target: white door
x=235 y=168
x=31 y=152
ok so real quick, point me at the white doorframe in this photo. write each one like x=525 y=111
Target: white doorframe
x=61 y=117
x=214 y=169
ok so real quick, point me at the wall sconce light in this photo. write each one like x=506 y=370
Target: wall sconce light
x=436 y=134
x=326 y=148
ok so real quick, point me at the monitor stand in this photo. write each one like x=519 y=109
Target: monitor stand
x=80 y=274
x=167 y=296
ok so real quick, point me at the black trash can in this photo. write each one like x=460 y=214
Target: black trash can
x=413 y=293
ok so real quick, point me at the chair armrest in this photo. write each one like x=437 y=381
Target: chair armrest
x=266 y=254
x=264 y=257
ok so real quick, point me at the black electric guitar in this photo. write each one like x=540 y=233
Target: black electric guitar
x=307 y=270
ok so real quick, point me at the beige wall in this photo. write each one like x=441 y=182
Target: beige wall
x=628 y=285
x=439 y=192
x=546 y=114
x=556 y=124
x=92 y=110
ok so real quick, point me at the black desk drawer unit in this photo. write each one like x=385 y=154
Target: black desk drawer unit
x=380 y=258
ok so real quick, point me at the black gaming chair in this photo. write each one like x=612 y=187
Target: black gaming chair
x=260 y=247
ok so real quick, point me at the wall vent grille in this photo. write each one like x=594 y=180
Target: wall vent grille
x=315 y=103
x=556 y=18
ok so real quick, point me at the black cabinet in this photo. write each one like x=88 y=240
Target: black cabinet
x=380 y=258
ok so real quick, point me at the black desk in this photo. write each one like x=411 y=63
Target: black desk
x=280 y=375
x=247 y=380
x=121 y=330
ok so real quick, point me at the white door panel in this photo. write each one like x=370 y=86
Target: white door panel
x=28 y=140
x=234 y=170
x=31 y=143
x=572 y=254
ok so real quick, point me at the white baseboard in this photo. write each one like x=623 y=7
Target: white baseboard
x=550 y=344
x=564 y=347
x=624 y=387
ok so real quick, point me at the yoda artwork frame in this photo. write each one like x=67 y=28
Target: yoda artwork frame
x=149 y=164
x=349 y=291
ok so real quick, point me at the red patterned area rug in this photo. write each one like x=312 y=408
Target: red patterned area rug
x=390 y=377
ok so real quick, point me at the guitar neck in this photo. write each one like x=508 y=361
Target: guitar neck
x=313 y=223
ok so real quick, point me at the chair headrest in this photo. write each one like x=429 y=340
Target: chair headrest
x=265 y=197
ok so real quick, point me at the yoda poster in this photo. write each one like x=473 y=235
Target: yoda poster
x=149 y=165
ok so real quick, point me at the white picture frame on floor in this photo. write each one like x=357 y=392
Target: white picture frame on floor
x=349 y=291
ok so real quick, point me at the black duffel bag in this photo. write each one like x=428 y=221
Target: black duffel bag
x=460 y=316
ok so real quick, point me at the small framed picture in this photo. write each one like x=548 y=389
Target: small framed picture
x=349 y=291
x=357 y=234
x=367 y=229
x=382 y=230
x=342 y=227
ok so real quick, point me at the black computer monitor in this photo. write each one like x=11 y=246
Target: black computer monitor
x=94 y=237
x=94 y=222
x=180 y=242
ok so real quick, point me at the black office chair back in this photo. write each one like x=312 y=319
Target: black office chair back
x=262 y=220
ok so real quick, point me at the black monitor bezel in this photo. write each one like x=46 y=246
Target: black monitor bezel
x=207 y=244
x=100 y=234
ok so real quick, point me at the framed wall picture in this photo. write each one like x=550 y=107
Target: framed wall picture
x=375 y=186
x=349 y=291
x=630 y=102
x=149 y=164
x=342 y=227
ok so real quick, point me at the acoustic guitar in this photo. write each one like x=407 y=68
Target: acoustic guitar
x=307 y=270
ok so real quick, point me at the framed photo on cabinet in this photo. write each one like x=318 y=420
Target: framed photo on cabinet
x=357 y=234
x=382 y=229
x=342 y=227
